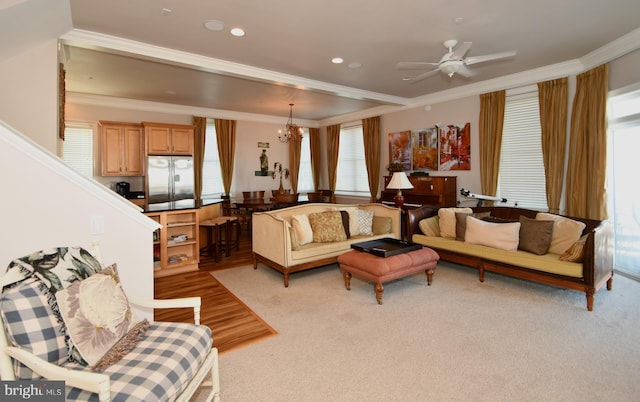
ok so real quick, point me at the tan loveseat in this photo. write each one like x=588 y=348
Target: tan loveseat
x=276 y=244
x=585 y=271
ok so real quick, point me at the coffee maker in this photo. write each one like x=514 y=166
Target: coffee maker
x=122 y=188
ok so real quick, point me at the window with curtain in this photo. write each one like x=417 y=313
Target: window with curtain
x=77 y=148
x=624 y=197
x=521 y=178
x=352 y=170
x=212 y=186
x=305 y=178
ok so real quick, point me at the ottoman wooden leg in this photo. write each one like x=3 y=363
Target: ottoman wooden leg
x=347 y=279
x=379 y=289
x=429 y=273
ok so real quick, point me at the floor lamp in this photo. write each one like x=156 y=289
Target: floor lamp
x=399 y=181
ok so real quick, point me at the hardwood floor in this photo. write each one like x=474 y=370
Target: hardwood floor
x=232 y=323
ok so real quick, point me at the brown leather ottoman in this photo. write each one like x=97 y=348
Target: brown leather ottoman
x=381 y=269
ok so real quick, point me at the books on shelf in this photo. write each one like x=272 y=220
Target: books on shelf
x=178 y=258
x=177 y=239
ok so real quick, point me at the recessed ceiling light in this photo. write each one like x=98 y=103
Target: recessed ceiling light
x=165 y=11
x=170 y=92
x=406 y=78
x=237 y=32
x=214 y=25
x=337 y=60
x=354 y=65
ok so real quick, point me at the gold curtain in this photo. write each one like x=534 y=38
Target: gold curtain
x=226 y=134
x=200 y=130
x=490 y=131
x=316 y=153
x=553 y=99
x=586 y=194
x=371 y=137
x=333 y=144
x=295 y=148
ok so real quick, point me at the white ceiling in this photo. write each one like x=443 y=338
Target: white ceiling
x=129 y=49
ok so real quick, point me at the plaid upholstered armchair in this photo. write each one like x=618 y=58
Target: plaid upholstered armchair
x=66 y=317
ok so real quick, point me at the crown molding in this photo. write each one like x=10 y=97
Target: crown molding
x=612 y=50
x=97 y=41
x=78 y=98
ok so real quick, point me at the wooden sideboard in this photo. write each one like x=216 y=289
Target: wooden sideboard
x=439 y=191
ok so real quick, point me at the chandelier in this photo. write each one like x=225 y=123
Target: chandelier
x=291 y=130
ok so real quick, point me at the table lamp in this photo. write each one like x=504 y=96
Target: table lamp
x=399 y=181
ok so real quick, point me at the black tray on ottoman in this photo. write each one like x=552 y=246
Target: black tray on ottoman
x=386 y=247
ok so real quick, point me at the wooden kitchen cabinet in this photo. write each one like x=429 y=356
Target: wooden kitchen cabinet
x=122 y=149
x=169 y=139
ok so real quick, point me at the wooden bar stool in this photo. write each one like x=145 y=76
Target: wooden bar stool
x=216 y=243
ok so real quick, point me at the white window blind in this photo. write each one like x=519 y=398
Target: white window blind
x=521 y=178
x=212 y=186
x=352 y=170
x=77 y=148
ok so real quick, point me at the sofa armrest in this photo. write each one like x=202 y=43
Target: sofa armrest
x=83 y=379
x=184 y=302
x=414 y=216
x=598 y=254
x=270 y=237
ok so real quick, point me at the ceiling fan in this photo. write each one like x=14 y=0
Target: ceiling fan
x=452 y=62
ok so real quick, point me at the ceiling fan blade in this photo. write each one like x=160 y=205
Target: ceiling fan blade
x=465 y=72
x=413 y=65
x=424 y=75
x=487 y=57
x=461 y=50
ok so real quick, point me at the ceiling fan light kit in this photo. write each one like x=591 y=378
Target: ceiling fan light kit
x=452 y=62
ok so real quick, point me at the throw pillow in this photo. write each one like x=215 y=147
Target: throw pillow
x=461 y=225
x=302 y=227
x=447 y=220
x=365 y=222
x=353 y=219
x=294 y=239
x=575 y=253
x=98 y=318
x=345 y=223
x=535 y=235
x=327 y=226
x=381 y=225
x=504 y=236
x=430 y=226
x=565 y=231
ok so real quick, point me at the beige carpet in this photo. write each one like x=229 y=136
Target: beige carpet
x=457 y=340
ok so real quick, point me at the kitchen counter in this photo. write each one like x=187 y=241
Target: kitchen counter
x=181 y=204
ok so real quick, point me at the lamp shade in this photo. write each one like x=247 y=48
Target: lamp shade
x=399 y=181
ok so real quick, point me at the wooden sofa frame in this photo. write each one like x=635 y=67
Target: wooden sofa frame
x=597 y=266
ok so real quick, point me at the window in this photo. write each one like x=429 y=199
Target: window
x=212 y=186
x=305 y=178
x=624 y=196
x=77 y=148
x=521 y=179
x=352 y=170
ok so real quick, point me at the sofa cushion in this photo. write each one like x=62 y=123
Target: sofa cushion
x=98 y=318
x=327 y=227
x=535 y=235
x=365 y=222
x=566 y=231
x=381 y=225
x=354 y=228
x=302 y=228
x=345 y=223
x=430 y=226
x=504 y=236
x=461 y=222
x=447 y=220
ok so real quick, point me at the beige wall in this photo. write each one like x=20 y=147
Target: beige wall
x=29 y=88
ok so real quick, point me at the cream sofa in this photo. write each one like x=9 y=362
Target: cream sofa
x=587 y=273
x=275 y=246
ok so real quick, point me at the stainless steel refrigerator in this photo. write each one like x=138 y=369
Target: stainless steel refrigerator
x=170 y=179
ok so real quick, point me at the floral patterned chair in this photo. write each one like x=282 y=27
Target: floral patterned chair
x=65 y=317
